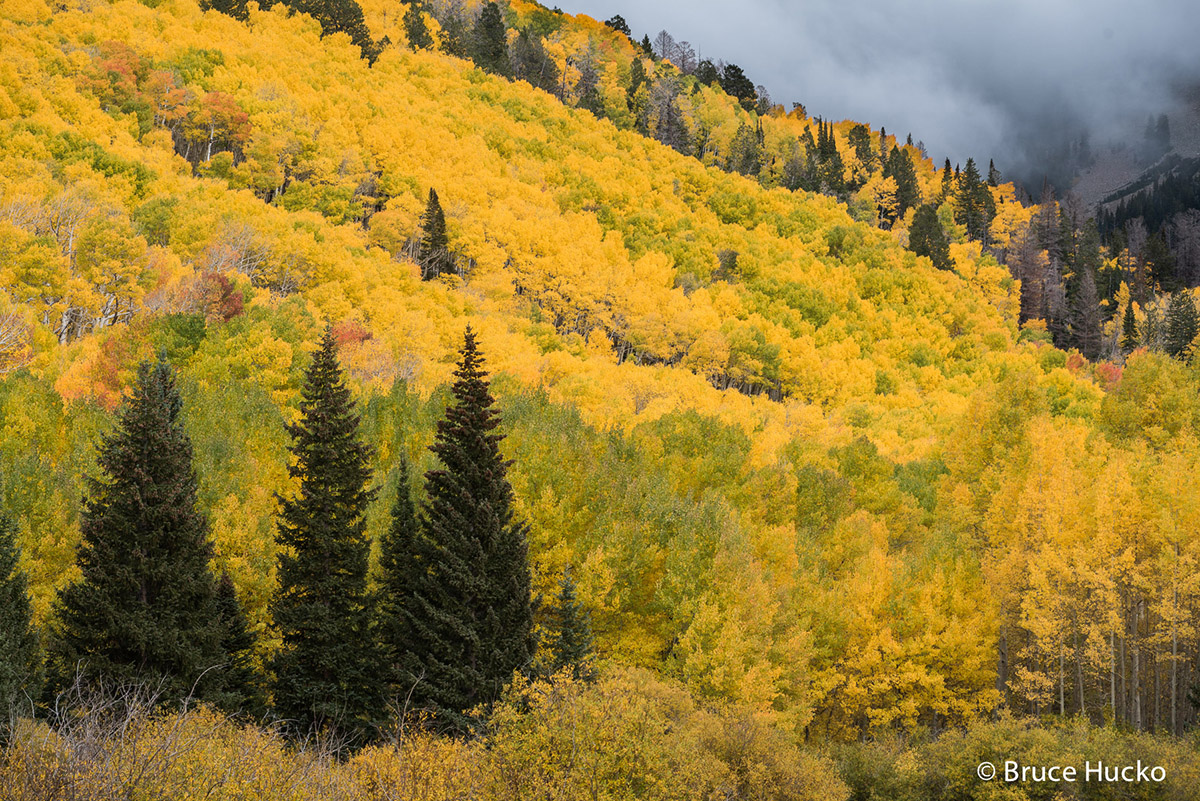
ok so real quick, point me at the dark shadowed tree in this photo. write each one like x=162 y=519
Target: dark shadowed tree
x=144 y=609
x=20 y=654
x=570 y=631
x=489 y=42
x=1182 y=325
x=415 y=28
x=926 y=237
x=327 y=667
x=1129 y=332
x=433 y=251
x=738 y=86
x=472 y=613
x=339 y=16
x=402 y=558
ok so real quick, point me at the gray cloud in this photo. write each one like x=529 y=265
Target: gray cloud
x=975 y=78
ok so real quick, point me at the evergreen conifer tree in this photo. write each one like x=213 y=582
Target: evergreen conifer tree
x=975 y=208
x=1129 y=332
x=637 y=77
x=472 y=613
x=20 y=655
x=400 y=568
x=415 y=28
x=145 y=607
x=571 y=632
x=433 y=253
x=900 y=167
x=233 y=8
x=243 y=688
x=490 y=42
x=327 y=668
x=1182 y=325
x=926 y=237
x=947 y=182
x=339 y=16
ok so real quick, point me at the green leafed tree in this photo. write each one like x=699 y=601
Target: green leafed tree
x=340 y=16
x=233 y=8
x=473 y=619
x=20 y=654
x=1129 y=333
x=433 y=254
x=145 y=606
x=900 y=167
x=243 y=687
x=926 y=237
x=489 y=42
x=975 y=206
x=415 y=28
x=327 y=668
x=570 y=630
x=399 y=581
x=1182 y=325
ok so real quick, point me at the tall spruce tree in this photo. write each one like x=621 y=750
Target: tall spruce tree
x=1182 y=325
x=908 y=192
x=975 y=205
x=145 y=607
x=399 y=580
x=327 y=668
x=340 y=16
x=473 y=614
x=570 y=632
x=489 y=45
x=926 y=237
x=20 y=655
x=1129 y=332
x=433 y=253
x=243 y=689
x=415 y=28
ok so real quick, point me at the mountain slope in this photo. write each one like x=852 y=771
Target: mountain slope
x=782 y=483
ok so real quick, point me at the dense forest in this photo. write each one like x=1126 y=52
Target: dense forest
x=463 y=399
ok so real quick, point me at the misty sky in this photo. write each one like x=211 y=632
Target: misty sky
x=968 y=77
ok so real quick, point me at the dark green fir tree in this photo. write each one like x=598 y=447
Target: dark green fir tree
x=899 y=166
x=1129 y=333
x=433 y=253
x=637 y=78
x=20 y=655
x=415 y=28
x=1182 y=325
x=340 y=16
x=926 y=237
x=570 y=631
x=233 y=8
x=400 y=568
x=489 y=45
x=975 y=207
x=473 y=613
x=327 y=668
x=244 y=691
x=144 y=609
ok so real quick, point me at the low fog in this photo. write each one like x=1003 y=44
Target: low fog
x=1015 y=80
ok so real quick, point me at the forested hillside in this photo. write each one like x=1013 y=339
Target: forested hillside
x=781 y=396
